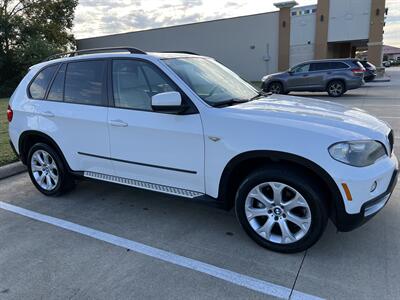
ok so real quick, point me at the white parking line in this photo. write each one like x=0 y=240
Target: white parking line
x=382 y=105
x=389 y=117
x=251 y=283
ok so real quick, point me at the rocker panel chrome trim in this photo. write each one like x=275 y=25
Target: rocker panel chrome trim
x=144 y=185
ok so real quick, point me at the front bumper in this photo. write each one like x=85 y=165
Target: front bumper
x=347 y=222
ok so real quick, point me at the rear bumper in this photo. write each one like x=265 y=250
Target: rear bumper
x=13 y=148
x=347 y=222
x=369 y=75
x=354 y=83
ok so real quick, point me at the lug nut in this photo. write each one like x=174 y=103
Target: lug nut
x=276 y=218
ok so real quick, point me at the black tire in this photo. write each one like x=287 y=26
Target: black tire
x=306 y=186
x=65 y=181
x=275 y=88
x=336 y=88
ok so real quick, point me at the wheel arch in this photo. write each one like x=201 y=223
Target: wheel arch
x=242 y=164
x=30 y=137
x=342 y=80
x=281 y=82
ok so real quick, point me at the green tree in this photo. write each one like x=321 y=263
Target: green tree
x=31 y=30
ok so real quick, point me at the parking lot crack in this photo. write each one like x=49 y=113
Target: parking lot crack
x=297 y=275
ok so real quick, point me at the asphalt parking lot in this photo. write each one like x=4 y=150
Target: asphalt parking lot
x=103 y=241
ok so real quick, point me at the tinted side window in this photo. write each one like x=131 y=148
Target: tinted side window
x=301 y=68
x=320 y=66
x=84 y=82
x=57 y=88
x=157 y=82
x=338 y=65
x=135 y=82
x=38 y=87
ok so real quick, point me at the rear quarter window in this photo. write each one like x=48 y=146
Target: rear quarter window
x=38 y=87
x=336 y=65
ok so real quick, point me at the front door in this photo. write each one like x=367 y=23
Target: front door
x=147 y=146
x=299 y=77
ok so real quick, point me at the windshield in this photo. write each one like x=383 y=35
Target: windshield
x=211 y=81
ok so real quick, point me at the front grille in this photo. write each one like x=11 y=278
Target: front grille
x=391 y=140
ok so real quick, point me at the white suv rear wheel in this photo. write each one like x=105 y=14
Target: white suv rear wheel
x=48 y=171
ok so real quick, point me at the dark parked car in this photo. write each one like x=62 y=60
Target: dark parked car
x=370 y=70
x=334 y=76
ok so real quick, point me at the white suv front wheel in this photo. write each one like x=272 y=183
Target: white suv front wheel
x=281 y=209
x=47 y=170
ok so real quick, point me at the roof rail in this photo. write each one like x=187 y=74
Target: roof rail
x=95 y=50
x=183 y=52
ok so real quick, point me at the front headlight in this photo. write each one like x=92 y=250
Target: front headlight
x=265 y=78
x=357 y=153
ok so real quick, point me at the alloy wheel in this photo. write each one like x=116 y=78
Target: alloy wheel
x=275 y=88
x=278 y=212
x=336 y=89
x=44 y=170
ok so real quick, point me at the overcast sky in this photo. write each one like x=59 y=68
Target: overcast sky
x=101 y=17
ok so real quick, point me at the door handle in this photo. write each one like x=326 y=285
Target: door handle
x=118 y=123
x=305 y=75
x=47 y=114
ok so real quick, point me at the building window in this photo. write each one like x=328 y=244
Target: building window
x=304 y=12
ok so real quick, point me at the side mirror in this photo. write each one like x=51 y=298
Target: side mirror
x=291 y=72
x=169 y=102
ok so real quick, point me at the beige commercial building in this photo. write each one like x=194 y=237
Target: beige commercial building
x=265 y=43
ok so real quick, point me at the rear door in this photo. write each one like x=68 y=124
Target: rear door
x=318 y=72
x=74 y=113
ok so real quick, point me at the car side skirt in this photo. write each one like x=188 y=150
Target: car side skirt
x=143 y=185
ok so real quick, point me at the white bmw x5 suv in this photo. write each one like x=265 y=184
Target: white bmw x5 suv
x=183 y=124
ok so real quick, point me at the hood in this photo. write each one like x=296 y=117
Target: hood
x=274 y=75
x=317 y=112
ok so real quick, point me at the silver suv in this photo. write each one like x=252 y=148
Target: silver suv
x=335 y=76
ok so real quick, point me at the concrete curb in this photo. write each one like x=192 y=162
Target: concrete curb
x=12 y=169
x=381 y=79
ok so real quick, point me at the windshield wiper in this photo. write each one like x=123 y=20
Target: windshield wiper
x=229 y=102
x=261 y=94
